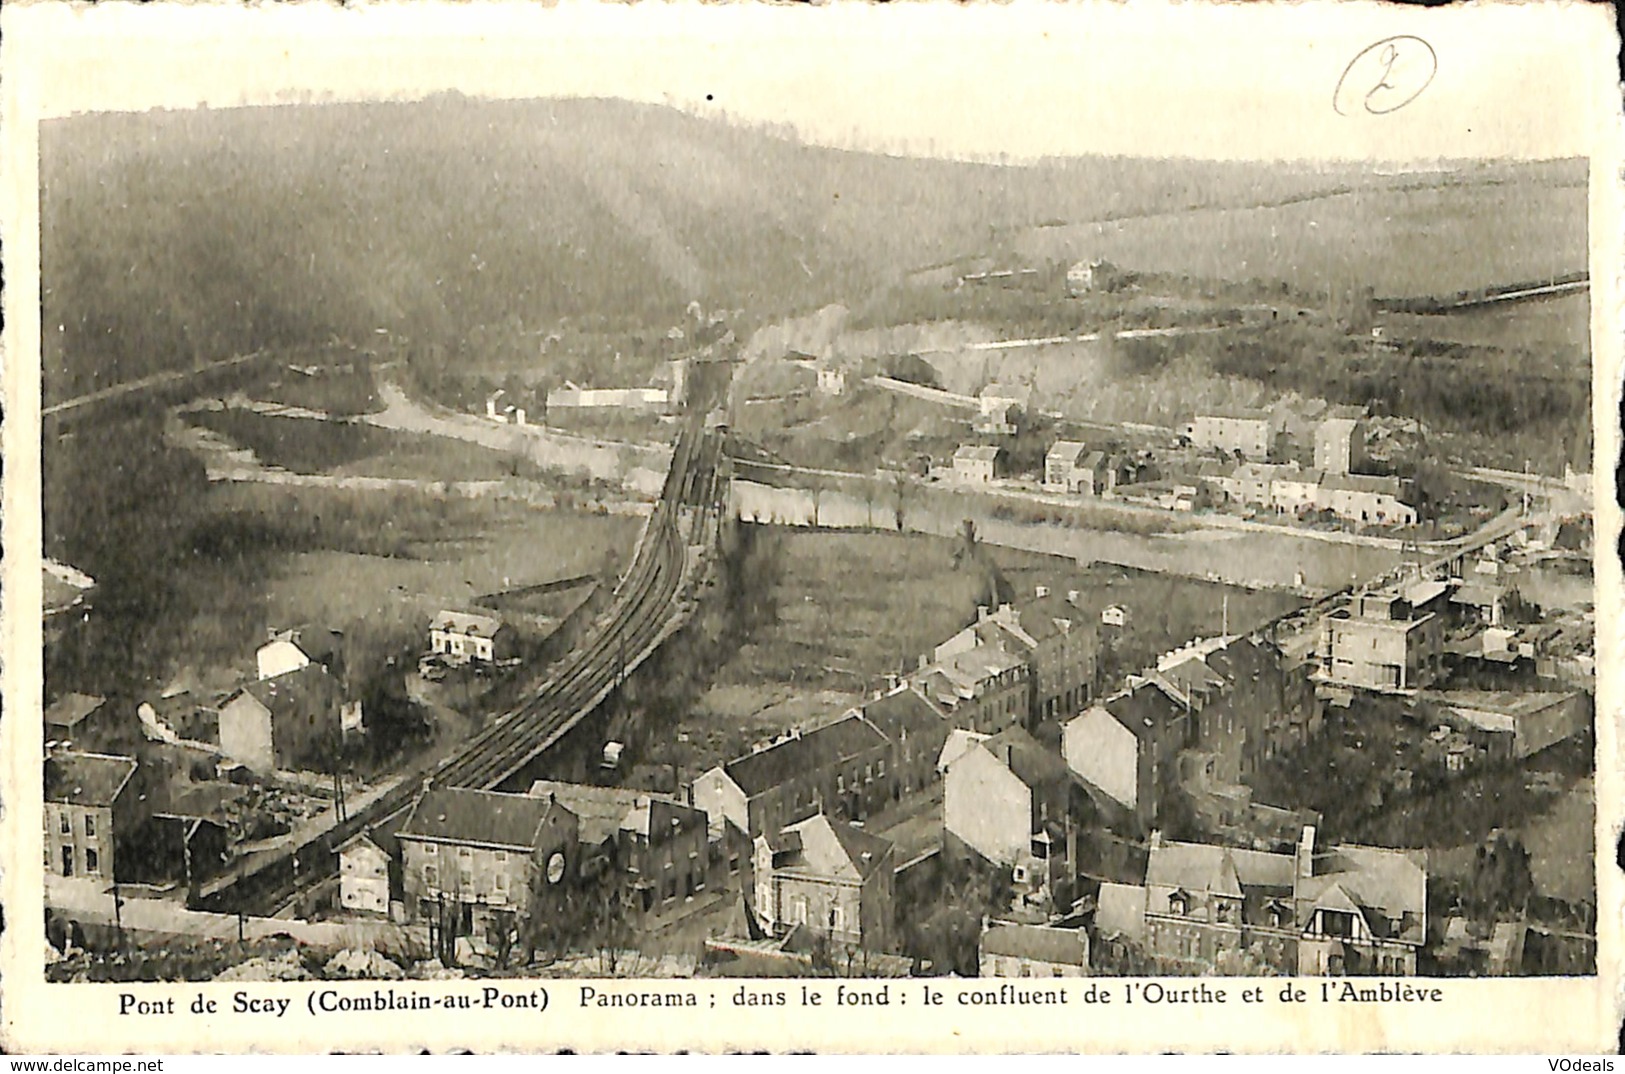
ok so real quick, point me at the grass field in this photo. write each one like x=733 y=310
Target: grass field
x=1429 y=241
x=442 y=554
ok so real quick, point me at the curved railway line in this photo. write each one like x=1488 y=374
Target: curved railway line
x=651 y=601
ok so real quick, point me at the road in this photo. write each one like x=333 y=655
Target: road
x=91 y=901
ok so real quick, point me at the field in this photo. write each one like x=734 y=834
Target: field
x=308 y=446
x=379 y=579
x=1429 y=240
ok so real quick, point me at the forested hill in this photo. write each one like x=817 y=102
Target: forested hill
x=174 y=237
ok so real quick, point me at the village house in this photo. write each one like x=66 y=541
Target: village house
x=291 y=650
x=1231 y=702
x=1360 y=910
x=290 y=721
x=916 y=730
x=659 y=846
x=1126 y=748
x=980 y=688
x=1340 y=445
x=826 y=877
x=1058 y=642
x=1347 y=910
x=369 y=872
x=1011 y=802
x=831 y=379
x=471 y=637
x=999 y=406
x=978 y=463
x=1384 y=642
x=93 y=806
x=477 y=854
x=1364 y=498
x=1249 y=433
x=1084 y=277
x=1206 y=905
x=80 y=719
x=1014 y=949
x=1063 y=467
x=840 y=769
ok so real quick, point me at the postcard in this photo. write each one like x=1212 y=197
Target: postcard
x=921 y=528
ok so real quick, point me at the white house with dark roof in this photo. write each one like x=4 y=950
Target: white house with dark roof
x=477 y=853
x=978 y=463
x=464 y=637
x=290 y=650
x=79 y=718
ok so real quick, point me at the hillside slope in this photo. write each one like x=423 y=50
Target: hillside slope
x=173 y=237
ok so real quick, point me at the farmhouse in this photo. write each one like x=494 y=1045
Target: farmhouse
x=470 y=637
x=92 y=806
x=978 y=463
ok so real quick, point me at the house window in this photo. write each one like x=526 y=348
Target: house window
x=502 y=855
x=429 y=876
x=1179 y=903
x=67 y=861
x=90 y=826
x=464 y=852
x=66 y=824
x=430 y=849
x=880 y=768
x=502 y=881
x=92 y=861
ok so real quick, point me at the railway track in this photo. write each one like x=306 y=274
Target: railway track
x=646 y=608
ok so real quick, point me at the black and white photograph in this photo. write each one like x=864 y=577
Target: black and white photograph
x=793 y=504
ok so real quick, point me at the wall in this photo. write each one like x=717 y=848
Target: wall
x=988 y=808
x=1104 y=752
x=77 y=841
x=245 y=733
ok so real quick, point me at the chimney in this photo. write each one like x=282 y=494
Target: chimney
x=1041 y=591
x=981 y=613
x=1306 y=853
x=1009 y=755
x=925 y=661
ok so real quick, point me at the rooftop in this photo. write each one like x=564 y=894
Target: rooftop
x=1066 y=450
x=600 y=809
x=804 y=752
x=292 y=692
x=824 y=847
x=1222 y=870
x=1038 y=943
x=489 y=818
x=470 y=623
x=86 y=779
x=978 y=452
x=69 y=709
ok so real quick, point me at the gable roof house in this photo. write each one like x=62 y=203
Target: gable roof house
x=285 y=722
x=917 y=731
x=1125 y=748
x=462 y=637
x=980 y=686
x=1206 y=904
x=94 y=804
x=483 y=852
x=1013 y=803
x=290 y=650
x=78 y=718
x=826 y=877
x=838 y=768
x=1360 y=909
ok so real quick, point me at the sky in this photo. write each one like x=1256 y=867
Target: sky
x=1020 y=79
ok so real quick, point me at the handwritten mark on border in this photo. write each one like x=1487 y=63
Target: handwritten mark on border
x=1386 y=76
